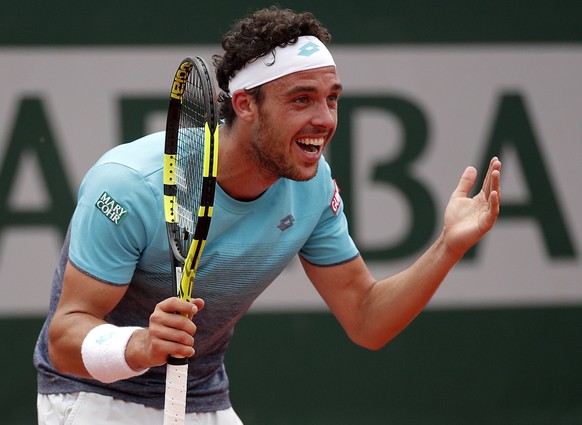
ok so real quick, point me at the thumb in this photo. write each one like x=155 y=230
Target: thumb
x=466 y=183
x=199 y=303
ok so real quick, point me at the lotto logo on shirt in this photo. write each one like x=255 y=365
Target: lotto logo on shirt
x=111 y=208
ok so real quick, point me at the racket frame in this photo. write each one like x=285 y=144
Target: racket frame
x=185 y=264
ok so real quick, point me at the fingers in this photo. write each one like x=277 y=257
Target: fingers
x=492 y=190
x=494 y=203
x=494 y=185
x=199 y=304
x=176 y=305
x=171 y=328
x=496 y=178
x=491 y=182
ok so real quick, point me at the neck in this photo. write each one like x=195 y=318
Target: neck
x=239 y=177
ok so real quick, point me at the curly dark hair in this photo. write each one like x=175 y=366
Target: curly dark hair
x=255 y=36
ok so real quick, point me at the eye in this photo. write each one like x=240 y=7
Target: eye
x=333 y=99
x=302 y=99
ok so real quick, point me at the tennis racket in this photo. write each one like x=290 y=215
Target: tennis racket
x=190 y=166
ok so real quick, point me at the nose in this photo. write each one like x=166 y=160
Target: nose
x=325 y=116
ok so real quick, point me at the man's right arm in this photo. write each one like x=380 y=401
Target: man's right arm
x=84 y=303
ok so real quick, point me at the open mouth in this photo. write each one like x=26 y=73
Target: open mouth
x=311 y=146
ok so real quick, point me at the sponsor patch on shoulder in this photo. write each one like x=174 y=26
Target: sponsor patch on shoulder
x=336 y=200
x=110 y=208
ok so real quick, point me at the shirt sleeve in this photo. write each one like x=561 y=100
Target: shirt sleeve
x=109 y=228
x=330 y=243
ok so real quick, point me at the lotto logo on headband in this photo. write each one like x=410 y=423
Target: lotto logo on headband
x=308 y=49
x=283 y=60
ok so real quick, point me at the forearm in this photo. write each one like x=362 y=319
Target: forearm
x=92 y=348
x=66 y=335
x=373 y=312
x=392 y=303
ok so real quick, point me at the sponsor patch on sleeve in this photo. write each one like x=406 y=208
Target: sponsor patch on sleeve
x=336 y=200
x=110 y=208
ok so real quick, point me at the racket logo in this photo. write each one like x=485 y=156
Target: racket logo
x=180 y=78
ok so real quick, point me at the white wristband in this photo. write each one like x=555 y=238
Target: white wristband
x=103 y=352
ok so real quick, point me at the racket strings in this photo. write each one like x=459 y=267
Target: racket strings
x=190 y=158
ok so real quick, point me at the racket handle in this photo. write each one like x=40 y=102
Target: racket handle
x=176 y=388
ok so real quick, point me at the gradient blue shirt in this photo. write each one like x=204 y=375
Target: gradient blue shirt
x=118 y=236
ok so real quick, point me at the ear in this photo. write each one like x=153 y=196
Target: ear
x=244 y=105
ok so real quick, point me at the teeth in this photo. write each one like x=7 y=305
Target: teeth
x=311 y=142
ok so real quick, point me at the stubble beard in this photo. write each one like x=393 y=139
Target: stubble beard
x=270 y=161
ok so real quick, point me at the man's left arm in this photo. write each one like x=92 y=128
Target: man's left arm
x=372 y=311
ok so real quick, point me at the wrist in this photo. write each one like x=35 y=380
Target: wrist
x=134 y=352
x=449 y=254
x=104 y=353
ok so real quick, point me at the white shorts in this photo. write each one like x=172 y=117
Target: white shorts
x=89 y=408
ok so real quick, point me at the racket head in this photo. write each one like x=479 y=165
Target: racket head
x=190 y=165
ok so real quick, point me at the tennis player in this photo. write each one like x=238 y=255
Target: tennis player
x=101 y=353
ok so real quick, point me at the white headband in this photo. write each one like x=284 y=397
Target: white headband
x=307 y=53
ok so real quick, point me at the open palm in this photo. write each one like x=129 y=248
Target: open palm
x=468 y=219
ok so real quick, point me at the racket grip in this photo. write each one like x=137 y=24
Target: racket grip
x=176 y=388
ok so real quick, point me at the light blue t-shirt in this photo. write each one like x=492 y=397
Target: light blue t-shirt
x=118 y=235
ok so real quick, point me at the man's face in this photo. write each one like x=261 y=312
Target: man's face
x=297 y=118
